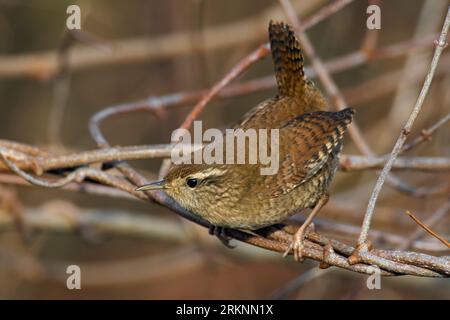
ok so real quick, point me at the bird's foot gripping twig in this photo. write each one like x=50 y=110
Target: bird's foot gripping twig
x=220 y=233
x=296 y=244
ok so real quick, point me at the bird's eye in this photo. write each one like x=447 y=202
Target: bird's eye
x=192 y=182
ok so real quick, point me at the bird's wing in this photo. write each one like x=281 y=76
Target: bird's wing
x=306 y=144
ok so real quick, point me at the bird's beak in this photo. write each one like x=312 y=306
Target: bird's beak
x=156 y=185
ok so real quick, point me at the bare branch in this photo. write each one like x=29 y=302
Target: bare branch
x=405 y=131
x=428 y=229
x=426 y=164
x=426 y=134
x=431 y=221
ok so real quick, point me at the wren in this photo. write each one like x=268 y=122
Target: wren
x=310 y=140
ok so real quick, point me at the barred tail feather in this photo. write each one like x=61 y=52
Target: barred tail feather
x=288 y=59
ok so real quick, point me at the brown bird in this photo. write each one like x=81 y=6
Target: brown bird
x=310 y=140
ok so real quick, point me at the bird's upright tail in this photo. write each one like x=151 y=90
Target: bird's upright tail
x=288 y=59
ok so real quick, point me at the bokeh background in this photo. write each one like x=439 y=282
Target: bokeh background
x=190 y=45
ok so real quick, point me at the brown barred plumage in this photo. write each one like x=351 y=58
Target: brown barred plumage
x=288 y=60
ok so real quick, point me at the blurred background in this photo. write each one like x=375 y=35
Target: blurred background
x=131 y=50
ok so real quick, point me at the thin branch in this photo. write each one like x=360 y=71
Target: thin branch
x=426 y=134
x=237 y=70
x=425 y=164
x=83 y=187
x=393 y=240
x=371 y=37
x=324 y=13
x=440 y=45
x=431 y=221
x=428 y=229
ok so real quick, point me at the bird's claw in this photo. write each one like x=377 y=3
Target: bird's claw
x=220 y=233
x=296 y=246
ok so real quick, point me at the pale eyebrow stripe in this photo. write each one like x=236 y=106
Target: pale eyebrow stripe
x=210 y=172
